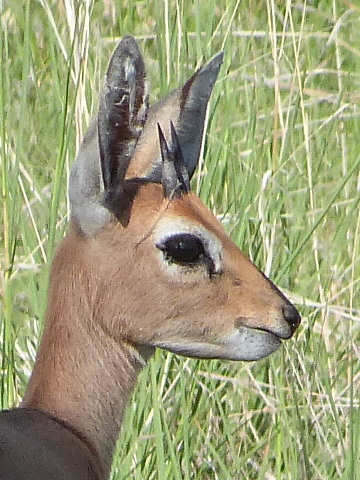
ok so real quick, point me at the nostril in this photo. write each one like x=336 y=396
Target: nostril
x=292 y=316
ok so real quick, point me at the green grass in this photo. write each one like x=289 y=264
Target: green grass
x=282 y=162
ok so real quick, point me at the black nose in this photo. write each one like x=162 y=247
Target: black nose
x=292 y=316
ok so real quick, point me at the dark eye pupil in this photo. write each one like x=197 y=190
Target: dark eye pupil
x=183 y=249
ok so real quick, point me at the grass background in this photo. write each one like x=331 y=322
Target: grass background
x=281 y=167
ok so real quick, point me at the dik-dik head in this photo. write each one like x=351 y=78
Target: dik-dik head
x=159 y=268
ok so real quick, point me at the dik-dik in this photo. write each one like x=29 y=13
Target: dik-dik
x=145 y=264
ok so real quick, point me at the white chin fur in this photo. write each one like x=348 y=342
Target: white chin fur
x=244 y=344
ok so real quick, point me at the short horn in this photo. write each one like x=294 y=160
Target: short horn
x=169 y=177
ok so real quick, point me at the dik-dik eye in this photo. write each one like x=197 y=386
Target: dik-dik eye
x=184 y=249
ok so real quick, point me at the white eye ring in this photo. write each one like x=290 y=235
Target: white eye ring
x=175 y=227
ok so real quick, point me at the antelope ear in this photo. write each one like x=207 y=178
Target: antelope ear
x=186 y=109
x=109 y=144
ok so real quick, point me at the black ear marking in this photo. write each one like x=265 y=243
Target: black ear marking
x=174 y=177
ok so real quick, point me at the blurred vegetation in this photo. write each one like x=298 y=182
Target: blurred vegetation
x=281 y=168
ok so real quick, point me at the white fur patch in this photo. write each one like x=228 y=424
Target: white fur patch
x=243 y=344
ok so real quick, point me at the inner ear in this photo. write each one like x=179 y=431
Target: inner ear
x=122 y=111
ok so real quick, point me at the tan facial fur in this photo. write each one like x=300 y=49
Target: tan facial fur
x=235 y=312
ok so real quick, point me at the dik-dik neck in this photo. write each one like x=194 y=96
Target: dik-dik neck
x=82 y=376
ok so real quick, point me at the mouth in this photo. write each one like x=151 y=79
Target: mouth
x=246 y=344
x=280 y=329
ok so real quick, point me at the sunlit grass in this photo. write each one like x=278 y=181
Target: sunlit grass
x=281 y=168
